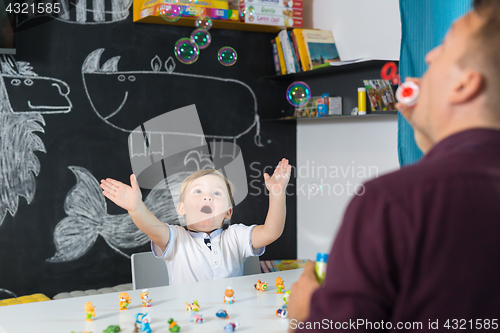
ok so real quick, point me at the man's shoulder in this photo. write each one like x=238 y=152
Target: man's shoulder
x=409 y=177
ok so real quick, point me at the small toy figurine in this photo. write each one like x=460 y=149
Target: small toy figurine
x=260 y=285
x=193 y=306
x=112 y=329
x=229 y=296
x=146 y=302
x=222 y=314
x=286 y=296
x=231 y=327
x=142 y=321
x=146 y=319
x=124 y=301
x=282 y=313
x=196 y=317
x=280 y=285
x=138 y=321
x=89 y=311
x=173 y=326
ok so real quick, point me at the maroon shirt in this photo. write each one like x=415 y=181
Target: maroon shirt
x=421 y=245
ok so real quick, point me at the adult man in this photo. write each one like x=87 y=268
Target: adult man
x=420 y=250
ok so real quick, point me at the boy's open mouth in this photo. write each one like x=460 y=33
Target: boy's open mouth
x=206 y=209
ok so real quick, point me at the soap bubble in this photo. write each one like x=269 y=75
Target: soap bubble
x=171 y=13
x=247 y=14
x=227 y=56
x=201 y=37
x=186 y=51
x=203 y=22
x=298 y=93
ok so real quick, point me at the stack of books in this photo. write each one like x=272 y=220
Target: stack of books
x=286 y=13
x=301 y=50
x=215 y=9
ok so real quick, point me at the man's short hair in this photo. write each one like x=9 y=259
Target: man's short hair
x=201 y=173
x=484 y=48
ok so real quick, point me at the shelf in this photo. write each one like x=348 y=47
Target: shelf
x=345 y=116
x=216 y=24
x=329 y=70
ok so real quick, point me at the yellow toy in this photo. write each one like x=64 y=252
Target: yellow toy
x=193 y=306
x=280 y=285
x=146 y=302
x=124 y=301
x=260 y=285
x=89 y=311
x=229 y=296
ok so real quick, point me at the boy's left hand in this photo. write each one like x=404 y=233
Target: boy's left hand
x=276 y=184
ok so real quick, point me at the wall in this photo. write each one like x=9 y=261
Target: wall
x=337 y=155
x=361 y=28
x=345 y=145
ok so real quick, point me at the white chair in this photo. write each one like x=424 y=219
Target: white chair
x=149 y=271
x=251 y=266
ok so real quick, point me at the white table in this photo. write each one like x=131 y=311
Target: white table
x=255 y=310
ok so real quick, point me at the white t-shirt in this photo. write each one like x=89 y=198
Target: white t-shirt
x=189 y=259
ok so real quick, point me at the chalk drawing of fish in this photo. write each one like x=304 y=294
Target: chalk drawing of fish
x=87 y=217
x=24 y=98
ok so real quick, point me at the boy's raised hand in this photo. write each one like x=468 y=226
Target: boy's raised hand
x=277 y=183
x=127 y=197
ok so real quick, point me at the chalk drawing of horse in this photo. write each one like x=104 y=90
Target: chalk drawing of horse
x=24 y=98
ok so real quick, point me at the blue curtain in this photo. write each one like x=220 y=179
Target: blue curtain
x=424 y=24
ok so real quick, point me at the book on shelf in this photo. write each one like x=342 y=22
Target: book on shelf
x=287 y=52
x=281 y=57
x=321 y=48
x=301 y=47
x=295 y=51
x=276 y=58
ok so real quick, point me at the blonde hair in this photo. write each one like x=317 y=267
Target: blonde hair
x=198 y=174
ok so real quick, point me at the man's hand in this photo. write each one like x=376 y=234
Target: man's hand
x=301 y=292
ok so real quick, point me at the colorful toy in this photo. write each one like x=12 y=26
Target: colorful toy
x=146 y=302
x=286 y=296
x=196 y=317
x=89 y=311
x=282 y=313
x=260 y=285
x=231 y=327
x=193 y=306
x=173 y=326
x=124 y=301
x=142 y=321
x=112 y=329
x=222 y=314
x=146 y=319
x=229 y=296
x=280 y=285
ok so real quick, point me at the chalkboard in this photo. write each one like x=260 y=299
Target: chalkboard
x=70 y=97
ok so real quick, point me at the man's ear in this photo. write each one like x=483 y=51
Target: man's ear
x=181 y=209
x=469 y=86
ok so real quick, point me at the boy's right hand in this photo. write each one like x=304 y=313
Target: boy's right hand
x=127 y=197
